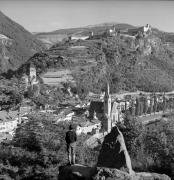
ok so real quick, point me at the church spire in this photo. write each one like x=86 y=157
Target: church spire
x=107 y=108
x=108 y=89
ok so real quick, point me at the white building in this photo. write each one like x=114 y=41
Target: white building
x=64 y=115
x=88 y=127
x=78 y=37
x=8 y=121
x=146 y=28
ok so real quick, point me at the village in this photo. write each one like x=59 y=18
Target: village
x=86 y=90
x=97 y=114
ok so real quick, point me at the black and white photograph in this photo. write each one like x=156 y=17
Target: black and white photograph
x=86 y=90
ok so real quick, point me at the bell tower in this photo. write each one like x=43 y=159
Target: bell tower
x=107 y=109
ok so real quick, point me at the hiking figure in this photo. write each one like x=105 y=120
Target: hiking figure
x=71 y=139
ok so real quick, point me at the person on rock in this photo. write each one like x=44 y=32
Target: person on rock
x=71 y=139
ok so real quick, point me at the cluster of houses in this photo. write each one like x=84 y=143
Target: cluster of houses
x=8 y=123
x=99 y=113
x=9 y=120
x=144 y=30
x=103 y=110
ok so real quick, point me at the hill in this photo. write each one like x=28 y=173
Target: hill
x=50 y=38
x=129 y=62
x=16 y=44
x=128 y=58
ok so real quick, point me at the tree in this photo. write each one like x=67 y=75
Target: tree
x=11 y=93
x=164 y=103
x=133 y=108
x=155 y=104
x=37 y=149
x=131 y=130
x=151 y=105
x=145 y=105
x=137 y=112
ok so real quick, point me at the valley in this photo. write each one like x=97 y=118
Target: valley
x=111 y=83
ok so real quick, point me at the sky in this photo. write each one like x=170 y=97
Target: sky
x=49 y=15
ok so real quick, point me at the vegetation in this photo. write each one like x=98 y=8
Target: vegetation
x=113 y=60
x=11 y=93
x=125 y=69
x=23 y=46
x=39 y=149
x=149 y=152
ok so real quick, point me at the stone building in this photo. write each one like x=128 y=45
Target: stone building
x=31 y=78
x=107 y=112
x=32 y=74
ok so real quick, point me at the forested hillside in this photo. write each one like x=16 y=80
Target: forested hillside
x=16 y=44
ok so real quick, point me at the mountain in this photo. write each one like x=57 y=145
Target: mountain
x=51 y=38
x=17 y=45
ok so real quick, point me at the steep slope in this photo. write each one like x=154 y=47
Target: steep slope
x=16 y=44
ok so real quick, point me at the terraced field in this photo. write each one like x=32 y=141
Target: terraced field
x=81 y=61
x=57 y=77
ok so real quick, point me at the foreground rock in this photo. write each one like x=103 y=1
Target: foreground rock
x=77 y=172
x=113 y=153
x=115 y=174
x=80 y=172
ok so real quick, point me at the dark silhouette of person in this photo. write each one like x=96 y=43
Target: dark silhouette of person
x=71 y=139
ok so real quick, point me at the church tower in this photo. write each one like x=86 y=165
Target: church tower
x=107 y=109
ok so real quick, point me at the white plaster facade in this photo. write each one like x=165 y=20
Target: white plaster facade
x=88 y=128
x=8 y=125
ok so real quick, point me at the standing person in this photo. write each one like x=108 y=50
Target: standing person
x=71 y=139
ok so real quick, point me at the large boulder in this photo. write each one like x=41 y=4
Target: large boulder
x=115 y=174
x=81 y=172
x=111 y=154
x=77 y=172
